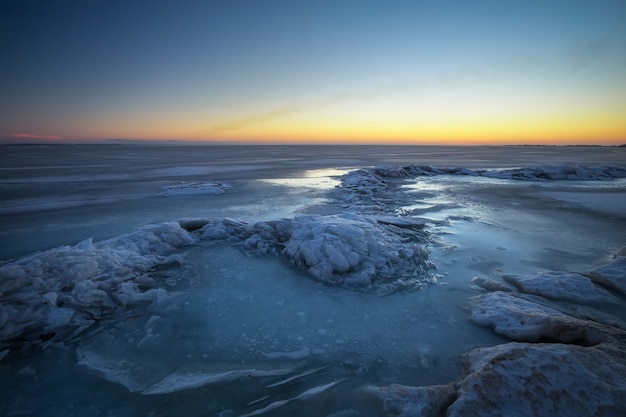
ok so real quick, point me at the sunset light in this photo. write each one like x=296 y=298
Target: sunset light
x=340 y=208
x=346 y=72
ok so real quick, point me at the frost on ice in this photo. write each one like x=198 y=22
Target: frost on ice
x=58 y=293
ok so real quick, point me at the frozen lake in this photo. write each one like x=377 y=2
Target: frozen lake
x=279 y=280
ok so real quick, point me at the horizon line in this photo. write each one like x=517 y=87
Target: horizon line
x=187 y=142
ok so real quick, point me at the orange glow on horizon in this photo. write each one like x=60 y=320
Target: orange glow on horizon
x=549 y=130
x=602 y=127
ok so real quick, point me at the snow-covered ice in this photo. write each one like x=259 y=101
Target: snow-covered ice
x=612 y=275
x=562 y=286
x=312 y=281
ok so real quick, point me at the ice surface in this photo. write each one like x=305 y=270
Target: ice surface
x=524 y=320
x=563 y=286
x=612 y=275
x=293 y=291
x=603 y=202
x=185 y=379
x=531 y=380
x=577 y=370
x=406 y=401
x=312 y=392
x=195 y=188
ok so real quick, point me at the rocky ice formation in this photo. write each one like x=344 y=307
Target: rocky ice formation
x=555 y=364
x=370 y=180
x=558 y=173
x=55 y=295
x=379 y=189
x=528 y=321
x=348 y=249
x=47 y=296
x=520 y=379
x=564 y=286
x=612 y=275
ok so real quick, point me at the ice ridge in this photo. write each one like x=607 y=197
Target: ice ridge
x=371 y=180
x=347 y=249
x=56 y=294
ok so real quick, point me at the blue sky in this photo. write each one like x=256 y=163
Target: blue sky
x=317 y=70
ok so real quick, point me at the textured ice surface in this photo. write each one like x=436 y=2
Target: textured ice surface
x=524 y=320
x=523 y=380
x=576 y=369
x=370 y=180
x=248 y=305
x=612 y=275
x=67 y=288
x=562 y=286
x=195 y=188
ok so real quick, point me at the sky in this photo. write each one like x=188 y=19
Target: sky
x=341 y=71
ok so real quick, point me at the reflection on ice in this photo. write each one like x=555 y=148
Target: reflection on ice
x=322 y=179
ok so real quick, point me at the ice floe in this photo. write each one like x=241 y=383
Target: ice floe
x=612 y=275
x=565 y=286
x=489 y=284
x=520 y=379
x=524 y=320
x=370 y=180
x=557 y=364
x=378 y=189
x=47 y=295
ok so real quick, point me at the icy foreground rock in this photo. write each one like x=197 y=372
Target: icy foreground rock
x=612 y=275
x=521 y=379
x=528 y=321
x=58 y=293
x=565 y=286
x=581 y=371
x=345 y=249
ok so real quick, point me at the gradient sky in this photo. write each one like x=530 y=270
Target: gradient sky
x=306 y=71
